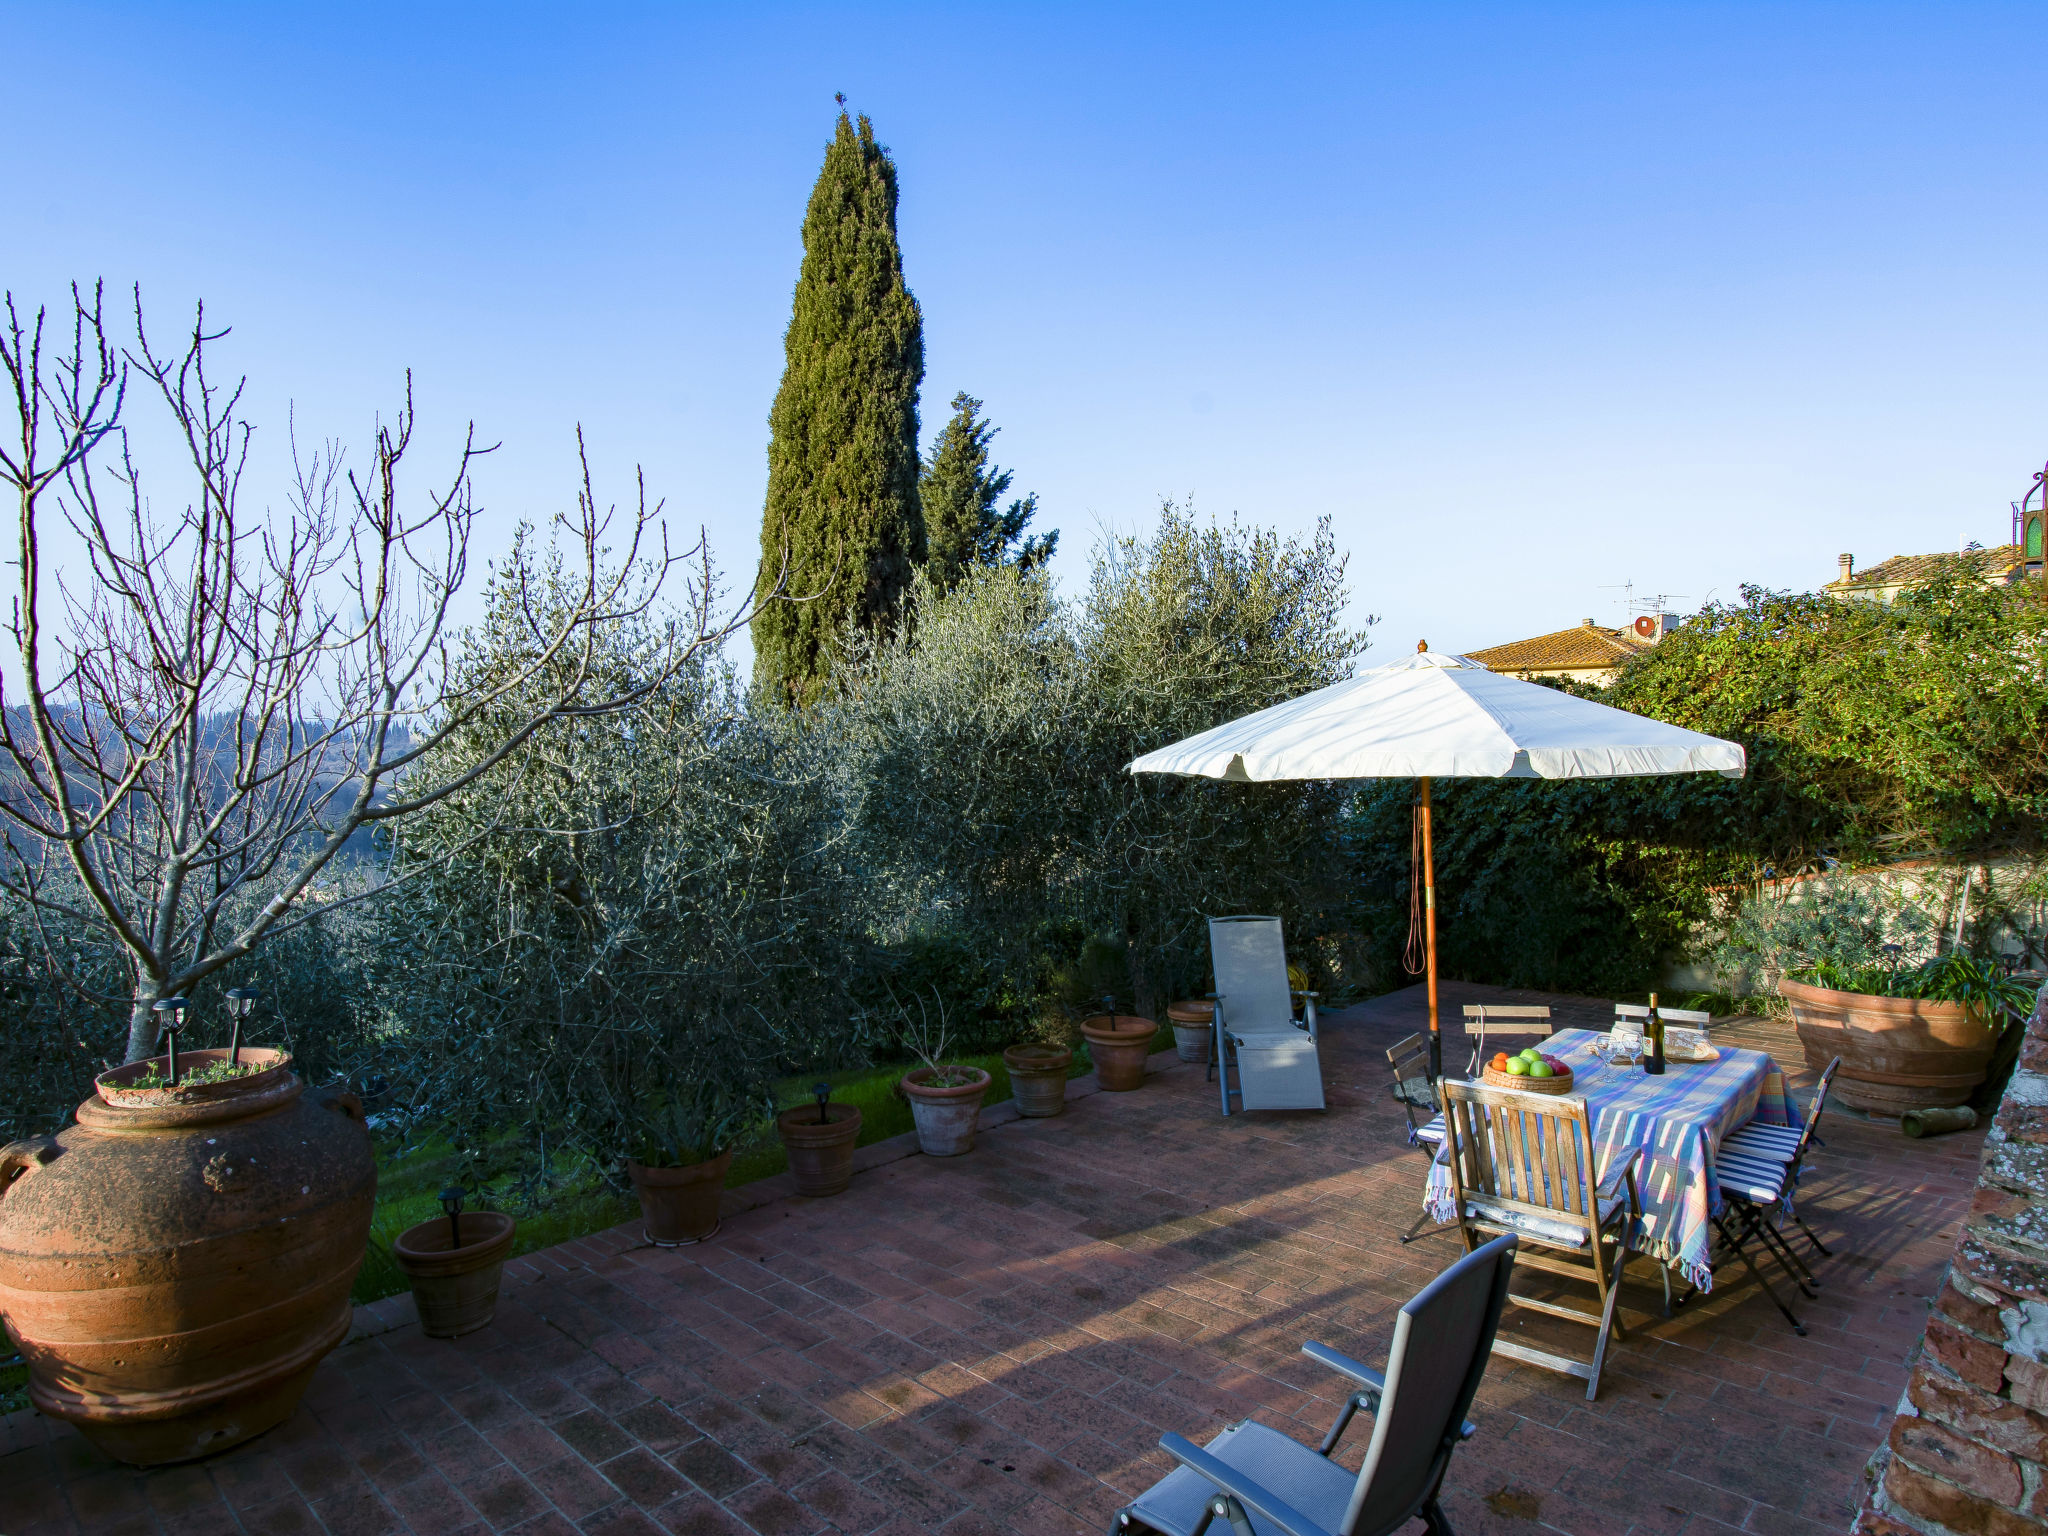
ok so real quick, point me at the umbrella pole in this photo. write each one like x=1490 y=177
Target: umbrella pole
x=1436 y=1045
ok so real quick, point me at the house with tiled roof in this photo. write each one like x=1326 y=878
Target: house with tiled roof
x=2000 y=566
x=1590 y=653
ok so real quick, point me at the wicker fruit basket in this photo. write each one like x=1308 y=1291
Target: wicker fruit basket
x=1561 y=1083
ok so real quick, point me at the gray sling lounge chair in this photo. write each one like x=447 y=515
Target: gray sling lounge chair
x=1254 y=1481
x=1256 y=1030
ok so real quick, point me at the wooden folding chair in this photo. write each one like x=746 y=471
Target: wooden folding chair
x=1413 y=1090
x=1633 y=1016
x=1525 y=1163
x=1514 y=1019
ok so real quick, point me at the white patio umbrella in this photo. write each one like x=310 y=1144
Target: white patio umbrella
x=1434 y=716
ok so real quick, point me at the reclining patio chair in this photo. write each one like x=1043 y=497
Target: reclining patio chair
x=1255 y=1481
x=1256 y=1029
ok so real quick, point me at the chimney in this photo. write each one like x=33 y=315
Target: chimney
x=1585 y=623
x=1848 y=563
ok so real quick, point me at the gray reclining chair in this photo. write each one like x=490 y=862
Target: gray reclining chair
x=1256 y=1481
x=1256 y=1030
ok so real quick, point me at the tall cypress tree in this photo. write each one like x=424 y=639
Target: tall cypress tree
x=960 y=490
x=842 y=505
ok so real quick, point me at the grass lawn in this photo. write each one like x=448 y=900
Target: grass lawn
x=410 y=1179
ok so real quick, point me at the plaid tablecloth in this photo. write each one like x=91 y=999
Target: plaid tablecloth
x=1678 y=1120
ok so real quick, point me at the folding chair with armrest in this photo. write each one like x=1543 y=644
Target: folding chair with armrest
x=1527 y=1163
x=1255 y=1481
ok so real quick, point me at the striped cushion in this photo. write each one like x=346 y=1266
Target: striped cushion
x=1432 y=1133
x=1773 y=1141
x=1753 y=1178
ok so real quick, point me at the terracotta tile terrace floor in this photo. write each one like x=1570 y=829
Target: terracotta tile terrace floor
x=995 y=1343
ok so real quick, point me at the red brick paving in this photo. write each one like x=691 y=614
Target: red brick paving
x=995 y=1343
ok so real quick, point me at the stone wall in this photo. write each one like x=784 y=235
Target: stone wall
x=1969 y=1449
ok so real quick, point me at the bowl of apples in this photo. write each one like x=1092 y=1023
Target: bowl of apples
x=1532 y=1071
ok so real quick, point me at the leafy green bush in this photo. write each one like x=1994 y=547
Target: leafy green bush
x=1874 y=732
x=1943 y=979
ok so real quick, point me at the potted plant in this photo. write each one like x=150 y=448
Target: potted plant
x=820 y=1138
x=1194 y=1027
x=120 y=1238
x=1910 y=1037
x=1038 y=1077
x=454 y=1262
x=945 y=1097
x=1118 y=1043
x=680 y=1145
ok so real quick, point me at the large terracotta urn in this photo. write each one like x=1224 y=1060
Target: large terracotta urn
x=176 y=1263
x=1898 y=1053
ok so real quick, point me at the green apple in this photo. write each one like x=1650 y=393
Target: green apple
x=1518 y=1067
x=1540 y=1069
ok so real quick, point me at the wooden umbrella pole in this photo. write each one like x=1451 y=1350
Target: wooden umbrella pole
x=1436 y=1044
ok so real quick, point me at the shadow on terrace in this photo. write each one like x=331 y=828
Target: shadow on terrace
x=996 y=1343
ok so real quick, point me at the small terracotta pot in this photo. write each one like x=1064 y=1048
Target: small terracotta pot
x=1119 y=1044
x=946 y=1117
x=455 y=1289
x=820 y=1156
x=680 y=1204
x=1194 y=1027
x=1038 y=1079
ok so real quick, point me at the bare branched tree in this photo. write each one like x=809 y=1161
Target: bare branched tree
x=207 y=707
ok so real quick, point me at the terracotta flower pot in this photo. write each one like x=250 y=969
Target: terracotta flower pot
x=455 y=1289
x=946 y=1117
x=176 y=1263
x=680 y=1204
x=1898 y=1053
x=1119 y=1044
x=1038 y=1079
x=820 y=1156
x=1194 y=1027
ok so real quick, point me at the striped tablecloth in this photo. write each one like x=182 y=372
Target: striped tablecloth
x=1678 y=1120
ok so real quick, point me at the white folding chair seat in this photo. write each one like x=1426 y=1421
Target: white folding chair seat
x=1759 y=1180
x=1777 y=1142
x=1431 y=1133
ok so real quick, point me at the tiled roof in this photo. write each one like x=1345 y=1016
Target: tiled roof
x=1585 y=648
x=1909 y=570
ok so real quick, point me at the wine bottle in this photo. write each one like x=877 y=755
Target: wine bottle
x=1653 y=1059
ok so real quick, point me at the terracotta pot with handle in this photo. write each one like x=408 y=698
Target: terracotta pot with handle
x=1898 y=1053
x=455 y=1287
x=176 y=1263
x=680 y=1205
x=1119 y=1044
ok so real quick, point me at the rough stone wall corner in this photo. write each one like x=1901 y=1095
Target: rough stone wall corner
x=1968 y=1450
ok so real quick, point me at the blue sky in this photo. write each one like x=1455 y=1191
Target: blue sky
x=1532 y=301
